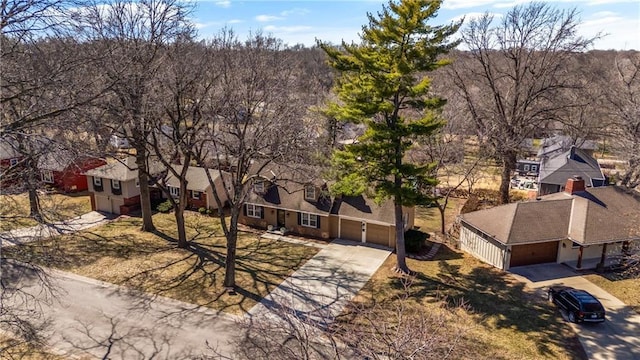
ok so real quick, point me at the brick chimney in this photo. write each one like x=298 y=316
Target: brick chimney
x=574 y=185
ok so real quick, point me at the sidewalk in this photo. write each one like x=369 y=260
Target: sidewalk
x=43 y=231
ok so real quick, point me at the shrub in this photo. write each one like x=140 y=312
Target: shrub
x=164 y=207
x=202 y=210
x=414 y=240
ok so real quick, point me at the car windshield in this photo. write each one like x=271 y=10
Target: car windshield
x=592 y=307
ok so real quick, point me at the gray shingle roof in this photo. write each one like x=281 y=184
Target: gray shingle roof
x=196 y=178
x=123 y=170
x=558 y=169
x=594 y=216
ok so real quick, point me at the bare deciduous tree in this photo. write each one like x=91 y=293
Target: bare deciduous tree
x=513 y=73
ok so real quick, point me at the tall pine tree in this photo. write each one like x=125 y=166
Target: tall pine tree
x=382 y=84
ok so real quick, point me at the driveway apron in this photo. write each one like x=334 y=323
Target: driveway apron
x=327 y=282
x=617 y=338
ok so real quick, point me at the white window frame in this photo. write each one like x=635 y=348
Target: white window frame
x=534 y=168
x=47 y=176
x=195 y=194
x=254 y=211
x=115 y=184
x=309 y=220
x=13 y=162
x=526 y=167
x=258 y=186
x=174 y=191
x=97 y=181
x=310 y=192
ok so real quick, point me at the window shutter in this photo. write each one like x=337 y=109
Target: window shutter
x=317 y=221
x=299 y=218
x=244 y=210
x=261 y=212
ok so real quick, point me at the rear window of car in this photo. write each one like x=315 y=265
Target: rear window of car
x=592 y=307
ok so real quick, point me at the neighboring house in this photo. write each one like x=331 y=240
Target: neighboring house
x=572 y=226
x=65 y=170
x=200 y=191
x=558 y=144
x=554 y=171
x=114 y=186
x=11 y=163
x=119 y=142
x=528 y=167
x=306 y=208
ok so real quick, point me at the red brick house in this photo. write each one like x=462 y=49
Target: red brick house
x=10 y=162
x=200 y=191
x=66 y=171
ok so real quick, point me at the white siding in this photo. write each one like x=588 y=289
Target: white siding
x=482 y=249
x=567 y=253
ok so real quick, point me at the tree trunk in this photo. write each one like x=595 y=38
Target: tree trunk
x=32 y=188
x=401 y=252
x=442 y=208
x=508 y=164
x=230 y=260
x=145 y=194
x=182 y=233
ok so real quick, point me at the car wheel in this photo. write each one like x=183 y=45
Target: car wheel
x=572 y=317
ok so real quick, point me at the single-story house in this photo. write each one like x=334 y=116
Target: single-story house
x=114 y=186
x=280 y=200
x=572 y=226
x=200 y=191
x=65 y=170
x=554 y=171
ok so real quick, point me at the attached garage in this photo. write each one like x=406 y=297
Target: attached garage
x=350 y=230
x=108 y=204
x=378 y=234
x=529 y=254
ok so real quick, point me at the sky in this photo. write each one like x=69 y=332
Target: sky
x=303 y=21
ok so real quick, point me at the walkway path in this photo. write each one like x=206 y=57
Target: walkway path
x=324 y=284
x=24 y=235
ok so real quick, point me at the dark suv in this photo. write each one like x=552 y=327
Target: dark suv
x=579 y=304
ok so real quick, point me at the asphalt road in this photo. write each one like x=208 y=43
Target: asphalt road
x=88 y=318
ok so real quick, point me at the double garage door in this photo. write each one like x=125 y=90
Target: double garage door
x=358 y=231
x=108 y=204
x=530 y=254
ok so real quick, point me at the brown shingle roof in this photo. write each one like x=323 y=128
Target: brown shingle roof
x=123 y=170
x=360 y=207
x=594 y=216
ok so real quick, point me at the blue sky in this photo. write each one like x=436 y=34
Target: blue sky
x=302 y=21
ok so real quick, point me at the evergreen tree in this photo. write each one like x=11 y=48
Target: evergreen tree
x=382 y=84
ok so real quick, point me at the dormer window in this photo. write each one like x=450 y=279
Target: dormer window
x=310 y=192
x=258 y=186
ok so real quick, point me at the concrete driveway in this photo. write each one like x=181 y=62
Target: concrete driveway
x=616 y=338
x=323 y=285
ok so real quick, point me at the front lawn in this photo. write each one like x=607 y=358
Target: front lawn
x=627 y=290
x=14 y=209
x=120 y=253
x=428 y=219
x=509 y=320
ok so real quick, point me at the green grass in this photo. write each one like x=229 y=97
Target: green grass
x=120 y=253
x=511 y=322
x=627 y=290
x=14 y=209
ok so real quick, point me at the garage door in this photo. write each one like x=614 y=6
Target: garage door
x=105 y=204
x=378 y=234
x=350 y=230
x=534 y=254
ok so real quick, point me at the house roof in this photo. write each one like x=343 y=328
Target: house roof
x=290 y=195
x=196 y=178
x=560 y=143
x=59 y=160
x=574 y=162
x=8 y=149
x=363 y=208
x=594 y=216
x=123 y=170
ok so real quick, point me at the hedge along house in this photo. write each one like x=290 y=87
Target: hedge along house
x=114 y=187
x=200 y=190
x=300 y=203
x=580 y=226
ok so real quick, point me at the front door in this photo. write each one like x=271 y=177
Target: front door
x=281 y=218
